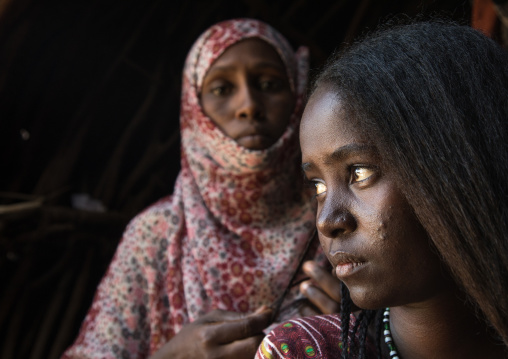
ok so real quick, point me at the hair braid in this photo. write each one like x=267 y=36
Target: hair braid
x=345 y=311
x=353 y=343
x=378 y=321
x=364 y=329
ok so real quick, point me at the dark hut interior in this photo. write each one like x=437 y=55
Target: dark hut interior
x=89 y=133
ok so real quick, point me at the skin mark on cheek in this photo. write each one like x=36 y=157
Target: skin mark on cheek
x=381 y=230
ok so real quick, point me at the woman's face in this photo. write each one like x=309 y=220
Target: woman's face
x=367 y=229
x=246 y=92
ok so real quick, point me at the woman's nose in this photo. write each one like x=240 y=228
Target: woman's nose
x=334 y=219
x=249 y=105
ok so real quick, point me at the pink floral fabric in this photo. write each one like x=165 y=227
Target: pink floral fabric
x=228 y=237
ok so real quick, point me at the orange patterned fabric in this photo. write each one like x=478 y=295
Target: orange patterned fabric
x=229 y=236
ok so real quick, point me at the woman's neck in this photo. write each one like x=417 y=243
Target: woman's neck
x=442 y=327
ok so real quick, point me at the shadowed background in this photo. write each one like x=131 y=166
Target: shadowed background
x=89 y=105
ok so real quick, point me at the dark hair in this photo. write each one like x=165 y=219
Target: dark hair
x=433 y=97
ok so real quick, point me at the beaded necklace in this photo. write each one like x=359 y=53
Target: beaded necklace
x=388 y=335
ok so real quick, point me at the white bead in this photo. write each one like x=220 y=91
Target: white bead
x=387 y=334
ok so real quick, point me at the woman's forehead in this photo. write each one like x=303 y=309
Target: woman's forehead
x=252 y=52
x=215 y=41
x=326 y=121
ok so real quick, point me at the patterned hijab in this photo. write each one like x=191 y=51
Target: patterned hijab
x=247 y=218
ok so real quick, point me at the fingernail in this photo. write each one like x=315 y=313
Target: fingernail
x=308 y=266
x=304 y=287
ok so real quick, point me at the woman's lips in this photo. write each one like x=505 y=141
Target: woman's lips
x=346 y=269
x=346 y=264
x=254 y=141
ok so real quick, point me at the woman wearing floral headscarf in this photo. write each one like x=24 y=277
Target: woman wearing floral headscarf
x=224 y=243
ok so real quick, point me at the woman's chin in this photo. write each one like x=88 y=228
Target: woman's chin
x=367 y=299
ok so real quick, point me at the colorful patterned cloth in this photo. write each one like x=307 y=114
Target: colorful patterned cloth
x=229 y=236
x=310 y=337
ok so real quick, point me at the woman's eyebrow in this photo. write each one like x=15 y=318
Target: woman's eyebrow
x=272 y=65
x=348 y=150
x=342 y=153
x=306 y=166
x=258 y=66
x=219 y=69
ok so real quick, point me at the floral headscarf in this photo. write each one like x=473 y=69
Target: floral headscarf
x=244 y=207
x=230 y=235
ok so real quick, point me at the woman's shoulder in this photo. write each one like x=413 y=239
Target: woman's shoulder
x=308 y=337
x=152 y=230
x=157 y=217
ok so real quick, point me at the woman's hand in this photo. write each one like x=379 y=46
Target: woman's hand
x=219 y=334
x=322 y=290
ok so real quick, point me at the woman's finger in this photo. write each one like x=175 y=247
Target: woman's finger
x=308 y=309
x=323 y=280
x=218 y=316
x=240 y=328
x=320 y=299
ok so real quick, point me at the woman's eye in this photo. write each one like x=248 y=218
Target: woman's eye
x=360 y=174
x=320 y=188
x=269 y=85
x=221 y=90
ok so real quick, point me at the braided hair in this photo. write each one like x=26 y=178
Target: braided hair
x=352 y=348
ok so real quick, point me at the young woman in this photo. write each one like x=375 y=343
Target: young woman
x=405 y=138
x=221 y=249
